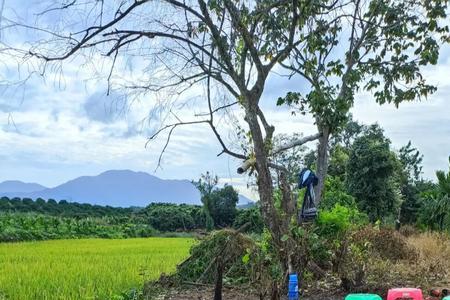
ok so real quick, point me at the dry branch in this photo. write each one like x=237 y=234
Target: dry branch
x=298 y=142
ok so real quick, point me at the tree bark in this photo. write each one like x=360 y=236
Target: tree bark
x=275 y=222
x=322 y=162
x=264 y=179
x=288 y=206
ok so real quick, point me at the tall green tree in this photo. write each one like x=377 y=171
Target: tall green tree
x=222 y=206
x=436 y=203
x=371 y=177
x=411 y=160
x=380 y=50
x=206 y=186
x=410 y=182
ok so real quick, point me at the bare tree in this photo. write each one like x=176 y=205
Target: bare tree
x=232 y=44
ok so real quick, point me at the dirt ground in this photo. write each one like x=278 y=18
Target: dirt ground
x=206 y=293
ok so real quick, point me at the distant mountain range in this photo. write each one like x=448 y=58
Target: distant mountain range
x=19 y=186
x=121 y=188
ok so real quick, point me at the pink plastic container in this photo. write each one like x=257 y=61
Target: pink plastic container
x=405 y=294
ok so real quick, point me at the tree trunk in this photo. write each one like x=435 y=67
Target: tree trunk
x=264 y=178
x=271 y=217
x=288 y=206
x=322 y=162
x=219 y=280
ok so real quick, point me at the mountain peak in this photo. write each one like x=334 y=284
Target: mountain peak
x=20 y=187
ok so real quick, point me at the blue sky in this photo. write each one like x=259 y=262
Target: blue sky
x=64 y=126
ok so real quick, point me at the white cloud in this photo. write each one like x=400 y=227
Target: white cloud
x=64 y=127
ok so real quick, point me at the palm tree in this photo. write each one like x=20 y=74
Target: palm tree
x=438 y=202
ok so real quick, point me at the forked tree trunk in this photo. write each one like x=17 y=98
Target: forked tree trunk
x=271 y=217
x=264 y=178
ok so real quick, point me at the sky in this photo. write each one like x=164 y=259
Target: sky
x=62 y=126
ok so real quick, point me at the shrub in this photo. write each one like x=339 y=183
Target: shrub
x=376 y=259
x=251 y=215
x=385 y=243
x=336 y=193
x=408 y=230
x=226 y=245
x=173 y=217
x=335 y=222
x=427 y=268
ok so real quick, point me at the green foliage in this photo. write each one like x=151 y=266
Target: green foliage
x=227 y=246
x=444 y=181
x=410 y=182
x=219 y=204
x=336 y=193
x=173 y=217
x=410 y=206
x=249 y=260
x=63 y=208
x=251 y=215
x=435 y=210
x=110 y=222
x=411 y=161
x=325 y=240
x=385 y=48
x=338 y=161
x=347 y=135
x=371 y=177
x=337 y=221
x=222 y=206
x=15 y=227
x=206 y=185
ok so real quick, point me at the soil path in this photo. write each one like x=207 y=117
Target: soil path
x=229 y=294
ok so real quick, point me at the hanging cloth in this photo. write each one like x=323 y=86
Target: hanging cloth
x=307 y=179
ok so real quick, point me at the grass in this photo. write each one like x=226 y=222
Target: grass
x=433 y=261
x=426 y=266
x=85 y=268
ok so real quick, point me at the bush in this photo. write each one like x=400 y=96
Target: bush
x=428 y=266
x=244 y=260
x=336 y=193
x=335 y=222
x=226 y=245
x=385 y=243
x=250 y=215
x=173 y=217
x=375 y=259
x=408 y=230
x=15 y=227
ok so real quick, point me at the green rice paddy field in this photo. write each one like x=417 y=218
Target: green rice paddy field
x=85 y=268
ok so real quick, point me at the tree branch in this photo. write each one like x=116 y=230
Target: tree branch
x=88 y=36
x=297 y=143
